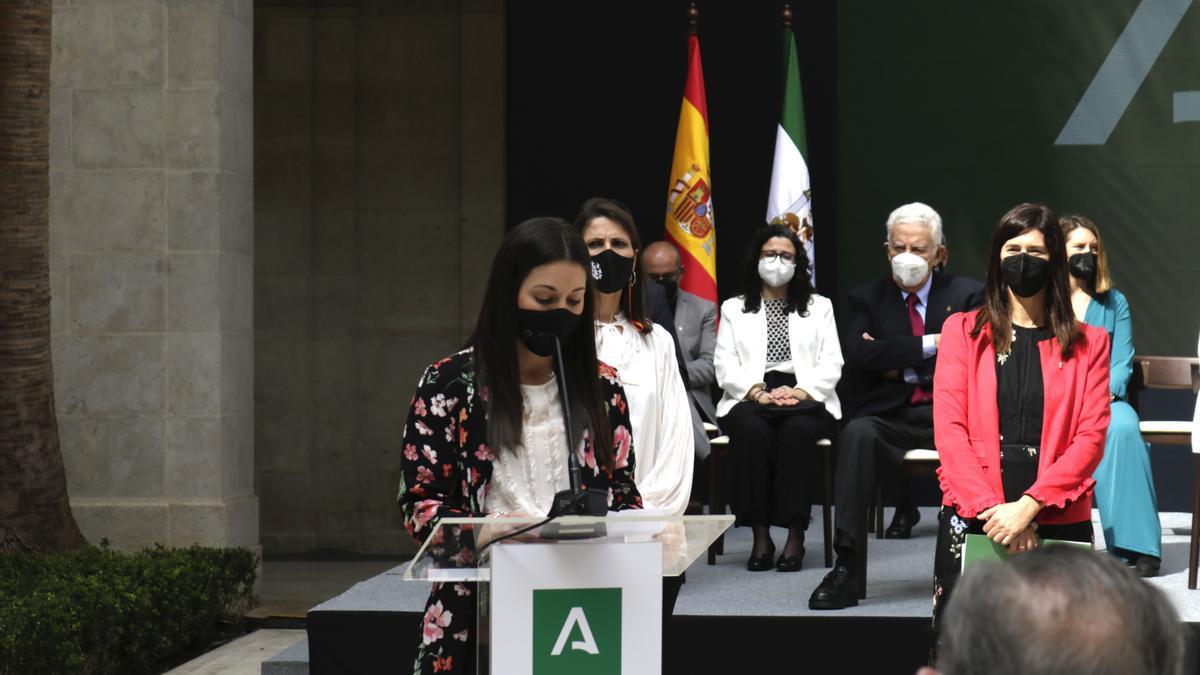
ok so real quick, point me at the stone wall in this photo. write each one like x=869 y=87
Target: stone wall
x=379 y=167
x=152 y=239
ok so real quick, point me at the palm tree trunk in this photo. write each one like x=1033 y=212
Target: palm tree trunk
x=35 y=513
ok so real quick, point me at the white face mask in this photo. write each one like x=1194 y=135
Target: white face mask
x=909 y=269
x=776 y=273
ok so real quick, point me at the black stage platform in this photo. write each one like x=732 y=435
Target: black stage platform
x=728 y=620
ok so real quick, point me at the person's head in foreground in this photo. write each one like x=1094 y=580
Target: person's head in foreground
x=1058 y=610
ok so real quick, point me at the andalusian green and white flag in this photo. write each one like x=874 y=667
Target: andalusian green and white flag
x=790 y=202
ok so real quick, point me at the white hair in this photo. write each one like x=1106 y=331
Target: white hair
x=922 y=214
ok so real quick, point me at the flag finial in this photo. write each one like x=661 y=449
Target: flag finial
x=693 y=18
x=787 y=16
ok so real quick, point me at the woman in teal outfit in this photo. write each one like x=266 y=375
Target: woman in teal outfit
x=1124 y=483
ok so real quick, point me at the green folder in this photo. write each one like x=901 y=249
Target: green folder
x=979 y=548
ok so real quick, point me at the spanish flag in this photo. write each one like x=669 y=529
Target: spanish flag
x=689 y=199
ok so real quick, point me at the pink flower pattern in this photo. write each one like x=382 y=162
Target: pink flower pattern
x=618 y=402
x=436 y=619
x=430 y=454
x=437 y=405
x=446 y=466
x=424 y=512
x=623 y=442
x=609 y=373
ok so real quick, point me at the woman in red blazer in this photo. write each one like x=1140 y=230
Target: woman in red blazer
x=1020 y=404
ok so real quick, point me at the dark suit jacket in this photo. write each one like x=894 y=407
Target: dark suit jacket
x=696 y=326
x=661 y=314
x=878 y=308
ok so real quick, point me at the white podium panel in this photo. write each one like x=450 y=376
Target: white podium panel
x=576 y=608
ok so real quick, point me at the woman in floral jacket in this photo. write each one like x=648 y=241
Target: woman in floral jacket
x=485 y=432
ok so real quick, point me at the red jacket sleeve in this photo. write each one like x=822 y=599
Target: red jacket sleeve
x=961 y=475
x=1070 y=476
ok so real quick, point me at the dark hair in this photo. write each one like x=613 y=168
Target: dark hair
x=996 y=310
x=633 y=301
x=1058 y=609
x=799 y=289
x=536 y=242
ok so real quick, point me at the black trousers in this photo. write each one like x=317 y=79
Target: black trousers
x=871 y=447
x=775 y=464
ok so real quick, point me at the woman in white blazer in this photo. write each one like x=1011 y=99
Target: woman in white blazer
x=778 y=360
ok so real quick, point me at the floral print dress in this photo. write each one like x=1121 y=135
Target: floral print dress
x=445 y=471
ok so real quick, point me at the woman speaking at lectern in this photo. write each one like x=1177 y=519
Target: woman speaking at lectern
x=485 y=432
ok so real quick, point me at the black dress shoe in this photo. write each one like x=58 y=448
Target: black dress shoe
x=761 y=563
x=838 y=590
x=902 y=524
x=790 y=563
x=1147 y=565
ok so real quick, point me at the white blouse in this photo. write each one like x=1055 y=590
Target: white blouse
x=663 y=444
x=527 y=477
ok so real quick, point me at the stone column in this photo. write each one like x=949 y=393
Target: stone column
x=152 y=268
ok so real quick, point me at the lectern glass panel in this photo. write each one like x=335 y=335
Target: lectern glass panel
x=457 y=548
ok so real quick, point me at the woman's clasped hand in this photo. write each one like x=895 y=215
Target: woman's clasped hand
x=1011 y=524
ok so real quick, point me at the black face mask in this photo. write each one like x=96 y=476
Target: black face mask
x=537 y=328
x=1083 y=266
x=1025 y=274
x=611 y=271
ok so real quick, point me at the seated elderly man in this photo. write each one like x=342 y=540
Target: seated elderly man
x=1056 y=610
x=891 y=343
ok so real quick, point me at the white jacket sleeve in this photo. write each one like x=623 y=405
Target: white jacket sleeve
x=821 y=378
x=668 y=484
x=732 y=375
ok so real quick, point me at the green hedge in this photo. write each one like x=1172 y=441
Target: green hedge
x=99 y=611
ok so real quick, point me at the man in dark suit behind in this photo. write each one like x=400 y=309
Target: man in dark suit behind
x=694 y=322
x=890 y=348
